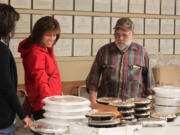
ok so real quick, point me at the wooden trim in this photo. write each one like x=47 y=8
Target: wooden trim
x=65 y=59
x=102 y=36
x=99 y=14
x=68 y=88
x=91 y=58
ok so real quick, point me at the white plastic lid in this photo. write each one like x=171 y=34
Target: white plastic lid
x=49 y=115
x=167 y=91
x=66 y=100
x=66 y=110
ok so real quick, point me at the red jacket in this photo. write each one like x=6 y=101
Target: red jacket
x=42 y=77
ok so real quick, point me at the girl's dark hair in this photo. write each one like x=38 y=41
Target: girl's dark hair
x=8 y=16
x=43 y=25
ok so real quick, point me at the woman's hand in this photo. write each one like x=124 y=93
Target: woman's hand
x=28 y=122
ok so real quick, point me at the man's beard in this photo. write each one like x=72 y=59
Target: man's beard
x=123 y=45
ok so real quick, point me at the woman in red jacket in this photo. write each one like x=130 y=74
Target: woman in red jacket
x=42 y=77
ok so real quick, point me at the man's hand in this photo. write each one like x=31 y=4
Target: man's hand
x=92 y=96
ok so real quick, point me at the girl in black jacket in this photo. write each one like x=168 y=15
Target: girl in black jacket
x=9 y=102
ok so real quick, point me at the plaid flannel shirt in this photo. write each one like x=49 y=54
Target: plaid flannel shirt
x=125 y=75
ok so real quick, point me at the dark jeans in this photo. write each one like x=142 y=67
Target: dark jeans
x=8 y=131
x=38 y=115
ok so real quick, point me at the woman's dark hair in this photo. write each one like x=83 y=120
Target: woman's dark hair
x=8 y=16
x=43 y=25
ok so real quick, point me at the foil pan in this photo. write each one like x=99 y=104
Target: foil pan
x=152 y=122
x=43 y=128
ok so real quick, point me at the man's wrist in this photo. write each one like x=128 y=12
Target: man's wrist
x=149 y=97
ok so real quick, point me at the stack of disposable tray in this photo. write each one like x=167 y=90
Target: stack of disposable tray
x=142 y=107
x=62 y=110
x=167 y=99
x=125 y=108
x=102 y=118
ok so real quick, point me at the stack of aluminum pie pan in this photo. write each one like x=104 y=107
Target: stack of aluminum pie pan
x=125 y=108
x=103 y=118
x=142 y=107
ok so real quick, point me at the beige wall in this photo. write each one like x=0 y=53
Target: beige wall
x=71 y=69
x=74 y=69
x=77 y=68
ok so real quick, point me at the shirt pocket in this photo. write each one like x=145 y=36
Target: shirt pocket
x=134 y=72
x=109 y=71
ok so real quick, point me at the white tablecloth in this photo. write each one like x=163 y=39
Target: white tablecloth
x=172 y=128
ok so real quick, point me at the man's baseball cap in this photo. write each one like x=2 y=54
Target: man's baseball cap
x=125 y=23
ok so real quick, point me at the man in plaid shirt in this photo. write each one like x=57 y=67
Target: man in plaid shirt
x=122 y=66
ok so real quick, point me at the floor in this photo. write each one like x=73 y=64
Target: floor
x=20 y=130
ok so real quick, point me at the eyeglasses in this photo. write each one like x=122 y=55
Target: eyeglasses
x=118 y=35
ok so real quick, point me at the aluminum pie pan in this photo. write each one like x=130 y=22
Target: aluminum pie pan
x=142 y=111
x=102 y=115
x=111 y=123
x=105 y=121
x=147 y=107
x=139 y=101
x=168 y=117
x=122 y=104
x=107 y=100
x=142 y=115
x=41 y=127
x=130 y=111
x=130 y=117
x=152 y=122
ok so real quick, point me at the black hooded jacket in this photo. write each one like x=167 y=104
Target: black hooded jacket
x=9 y=102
